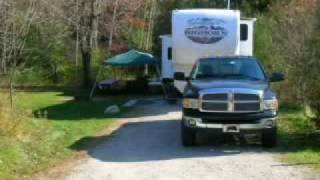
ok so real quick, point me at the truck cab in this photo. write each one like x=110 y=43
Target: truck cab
x=229 y=95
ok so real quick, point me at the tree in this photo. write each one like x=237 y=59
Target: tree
x=83 y=20
x=88 y=19
x=292 y=30
x=18 y=18
x=117 y=19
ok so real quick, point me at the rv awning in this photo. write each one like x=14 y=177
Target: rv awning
x=132 y=58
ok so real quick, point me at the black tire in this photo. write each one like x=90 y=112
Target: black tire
x=188 y=136
x=269 y=138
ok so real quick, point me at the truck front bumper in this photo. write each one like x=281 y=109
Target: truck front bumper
x=261 y=124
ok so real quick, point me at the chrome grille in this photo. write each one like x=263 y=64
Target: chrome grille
x=246 y=97
x=236 y=100
x=214 y=105
x=215 y=97
x=247 y=106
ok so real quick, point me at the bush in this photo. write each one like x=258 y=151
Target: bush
x=312 y=85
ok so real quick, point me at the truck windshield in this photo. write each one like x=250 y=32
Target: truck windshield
x=228 y=68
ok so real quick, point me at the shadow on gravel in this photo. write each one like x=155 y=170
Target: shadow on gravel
x=156 y=141
x=76 y=110
x=152 y=107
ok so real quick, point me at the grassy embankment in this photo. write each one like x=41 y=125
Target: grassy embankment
x=43 y=129
x=299 y=138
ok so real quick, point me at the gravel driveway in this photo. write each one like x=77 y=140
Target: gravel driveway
x=149 y=148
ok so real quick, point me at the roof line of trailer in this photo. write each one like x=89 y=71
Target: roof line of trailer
x=246 y=18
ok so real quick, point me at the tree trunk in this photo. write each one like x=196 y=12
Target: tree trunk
x=87 y=22
x=86 y=65
x=11 y=89
x=150 y=25
x=114 y=16
x=4 y=57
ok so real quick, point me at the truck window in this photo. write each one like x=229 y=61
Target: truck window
x=243 y=32
x=228 y=68
x=170 y=53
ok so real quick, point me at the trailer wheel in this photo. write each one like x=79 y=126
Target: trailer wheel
x=269 y=138
x=188 y=136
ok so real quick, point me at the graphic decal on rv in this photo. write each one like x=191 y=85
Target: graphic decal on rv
x=206 y=30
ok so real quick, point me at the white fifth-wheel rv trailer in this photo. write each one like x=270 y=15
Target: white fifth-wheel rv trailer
x=208 y=61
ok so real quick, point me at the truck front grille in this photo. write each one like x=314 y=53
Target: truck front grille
x=231 y=102
x=215 y=97
x=246 y=97
x=247 y=106
x=208 y=106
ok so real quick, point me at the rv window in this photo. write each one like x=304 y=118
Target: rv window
x=244 y=32
x=170 y=54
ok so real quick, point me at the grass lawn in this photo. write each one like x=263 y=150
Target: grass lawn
x=299 y=139
x=50 y=122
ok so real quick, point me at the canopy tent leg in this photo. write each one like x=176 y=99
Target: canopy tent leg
x=146 y=70
x=95 y=83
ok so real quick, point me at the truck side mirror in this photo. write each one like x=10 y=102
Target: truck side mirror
x=276 y=77
x=179 y=76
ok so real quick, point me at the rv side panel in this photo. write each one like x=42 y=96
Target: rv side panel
x=203 y=33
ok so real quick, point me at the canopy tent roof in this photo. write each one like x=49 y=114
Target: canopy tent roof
x=132 y=58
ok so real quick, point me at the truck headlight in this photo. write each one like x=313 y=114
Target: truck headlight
x=190 y=103
x=271 y=104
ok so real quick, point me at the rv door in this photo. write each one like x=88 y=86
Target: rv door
x=167 y=69
x=247 y=37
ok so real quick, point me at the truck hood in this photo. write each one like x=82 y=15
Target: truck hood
x=199 y=85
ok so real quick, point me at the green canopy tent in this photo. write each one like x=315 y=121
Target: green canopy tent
x=132 y=58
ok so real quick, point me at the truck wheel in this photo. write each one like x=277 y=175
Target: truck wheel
x=188 y=136
x=269 y=138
